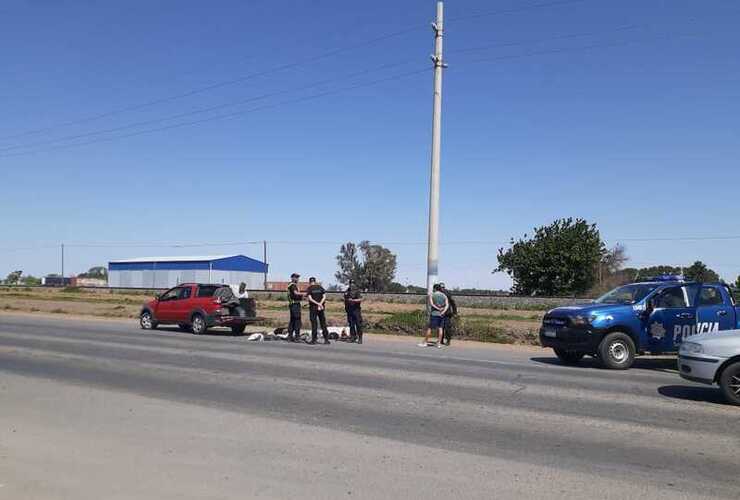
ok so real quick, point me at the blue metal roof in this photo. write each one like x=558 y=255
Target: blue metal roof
x=219 y=263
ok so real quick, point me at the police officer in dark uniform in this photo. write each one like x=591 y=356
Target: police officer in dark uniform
x=353 y=307
x=294 y=306
x=451 y=313
x=316 y=307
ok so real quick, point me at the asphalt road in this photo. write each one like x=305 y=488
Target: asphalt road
x=93 y=409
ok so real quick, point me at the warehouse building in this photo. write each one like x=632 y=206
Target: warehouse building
x=166 y=272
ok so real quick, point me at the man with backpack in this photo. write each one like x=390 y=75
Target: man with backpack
x=449 y=316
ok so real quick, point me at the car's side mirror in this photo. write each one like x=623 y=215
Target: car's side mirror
x=157 y=296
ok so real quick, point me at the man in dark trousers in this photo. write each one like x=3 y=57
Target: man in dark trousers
x=451 y=313
x=294 y=306
x=353 y=306
x=316 y=307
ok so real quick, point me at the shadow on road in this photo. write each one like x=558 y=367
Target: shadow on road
x=666 y=365
x=692 y=393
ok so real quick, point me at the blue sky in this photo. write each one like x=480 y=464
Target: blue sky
x=624 y=113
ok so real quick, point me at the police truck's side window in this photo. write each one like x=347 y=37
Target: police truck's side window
x=710 y=296
x=671 y=298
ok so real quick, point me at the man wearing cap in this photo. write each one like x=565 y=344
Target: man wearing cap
x=353 y=307
x=316 y=307
x=294 y=306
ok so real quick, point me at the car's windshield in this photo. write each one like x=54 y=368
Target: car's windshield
x=628 y=294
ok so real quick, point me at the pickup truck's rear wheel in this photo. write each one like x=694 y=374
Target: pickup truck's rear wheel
x=198 y=324
x=238 y=330
x=729 y=382
x=147 y=321
x=617 y=351
x=569 y=357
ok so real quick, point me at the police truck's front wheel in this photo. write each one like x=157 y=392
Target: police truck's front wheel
x=617 y=351
x=569 y=357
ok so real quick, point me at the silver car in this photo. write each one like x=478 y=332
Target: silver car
x=713 y=358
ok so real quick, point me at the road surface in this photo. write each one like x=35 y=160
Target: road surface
x=95 y=409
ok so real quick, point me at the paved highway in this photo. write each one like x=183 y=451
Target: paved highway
x=94 y=409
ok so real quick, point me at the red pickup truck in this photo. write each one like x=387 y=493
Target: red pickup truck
x=198 y=307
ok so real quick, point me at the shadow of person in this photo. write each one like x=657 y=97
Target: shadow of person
x=693 y=393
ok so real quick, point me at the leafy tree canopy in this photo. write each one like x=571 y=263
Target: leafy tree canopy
x=698 y=271
x=559 y=259
x=373 y=267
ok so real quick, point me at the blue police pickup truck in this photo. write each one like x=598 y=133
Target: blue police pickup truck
x=633 y=319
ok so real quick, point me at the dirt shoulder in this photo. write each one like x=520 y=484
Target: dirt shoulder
x=373 y=337
x=479 y=324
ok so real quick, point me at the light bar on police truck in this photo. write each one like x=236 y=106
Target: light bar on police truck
x=669 y=277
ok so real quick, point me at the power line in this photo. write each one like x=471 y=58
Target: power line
x=306 y=98
x=224 y=116
x=579 y=49
x=282 y=67
x=542 y=40
x=285 y=91
x=162 y=244
x=515 y=10
x=680 y=238
x=206 y=109
x=217 y=85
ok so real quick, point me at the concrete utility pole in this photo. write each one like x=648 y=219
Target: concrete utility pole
x=439 y=65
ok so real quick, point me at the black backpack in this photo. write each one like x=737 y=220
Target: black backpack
x=452 y=310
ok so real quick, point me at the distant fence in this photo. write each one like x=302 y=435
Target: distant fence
x=465 y=300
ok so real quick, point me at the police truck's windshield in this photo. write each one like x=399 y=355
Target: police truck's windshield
x=628 y=294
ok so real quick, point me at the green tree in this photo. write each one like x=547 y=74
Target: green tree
x=737 y=282
x=97 y=272
x=13 y=278
x=559 y=259
x=698 y=271
x=30 y=281
x=373 y=267
x=349 y=264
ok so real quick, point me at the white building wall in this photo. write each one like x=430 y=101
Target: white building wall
x=253 y=280
x=169 y=279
